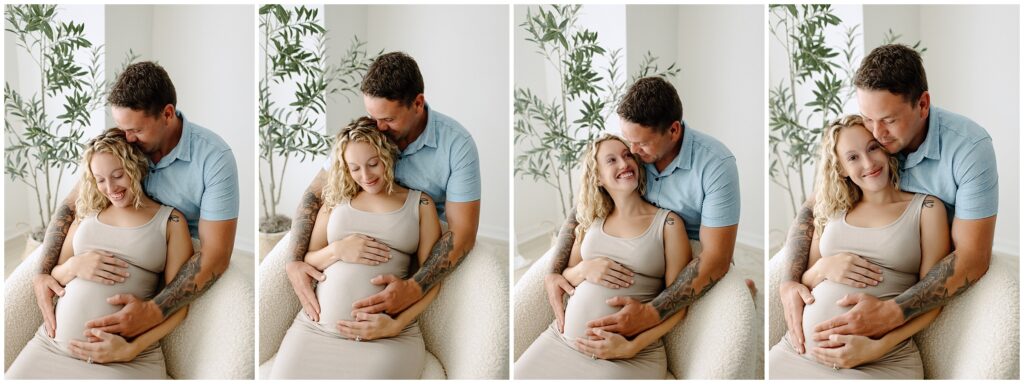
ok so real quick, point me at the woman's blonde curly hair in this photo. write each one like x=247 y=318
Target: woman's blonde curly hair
x=135 y=163
x=835 y=192
x=340 y=184
x=594 y=201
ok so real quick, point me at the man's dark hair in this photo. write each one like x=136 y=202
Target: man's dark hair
x=143 y=86
x=651 y=102
x=393 y=76
x=895 y=68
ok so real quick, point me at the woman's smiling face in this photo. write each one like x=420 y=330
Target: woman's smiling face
x=112 y=179
x=616 y=167
x=365 y=166
x=863 y=159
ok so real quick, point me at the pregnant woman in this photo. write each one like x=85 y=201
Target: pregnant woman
x=124 y=243
x=624 y=247
x=362 y=199
x=869 y=238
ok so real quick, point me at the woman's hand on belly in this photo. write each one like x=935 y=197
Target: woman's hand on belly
x=369 y=326
x=605 y=272
x=849 y=269
x=848 y=351
x=360 y=249
x=103 y=348
x=606 y=345
x=99 y=266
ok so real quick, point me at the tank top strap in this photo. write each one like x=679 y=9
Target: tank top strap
x=913 y=212
x=658 y=225
x=160 y=220
x=412 y=204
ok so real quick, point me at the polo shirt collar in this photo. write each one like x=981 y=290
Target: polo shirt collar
x=181 y=151
x=429 y=136
x=683 y=159
x=930 y=147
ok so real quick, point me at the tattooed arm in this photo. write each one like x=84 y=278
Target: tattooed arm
x=795 y=257
x=448 y=252
x=300 y=273
x=951 y=276
x=696 y=278
x=555 y=284
x=196 y=275
x=44 y=285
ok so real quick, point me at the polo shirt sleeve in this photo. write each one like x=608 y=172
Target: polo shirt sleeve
x=721 y=206
x=464 y=180
x=220 y=189
x=977 y=194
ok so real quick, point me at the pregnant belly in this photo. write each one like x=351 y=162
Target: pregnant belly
x=827 y=293
x=347 y=283
x=586 y=304
x=86 y=300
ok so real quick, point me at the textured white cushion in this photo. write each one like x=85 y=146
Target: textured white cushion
x=714 y=341
x=465 y=328
x=215 y=341
x=976 y=336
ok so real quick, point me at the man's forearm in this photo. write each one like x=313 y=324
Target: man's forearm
x=444 y=257
x=53 y=240
x=563 y=243
x=798 y=244
x=192 y=280
x=693 y=282
x=943 y=282
x=302 y=225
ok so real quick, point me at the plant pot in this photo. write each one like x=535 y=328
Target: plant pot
x=268 y=241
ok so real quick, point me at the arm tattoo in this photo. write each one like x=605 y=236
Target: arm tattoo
x=183 y=288
x=424 y=201
x=53 y=240
x=798 y=245
x=682 y=291
x=563 y=243
x=302 y=225
x=174 y=218
x=931 y=291
x=929 y=203
x=670 y=221
x=439 y=263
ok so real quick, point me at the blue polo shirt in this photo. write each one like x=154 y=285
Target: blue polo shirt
x=442 y=162
x=701 y=185
x=199 y=177
x=956 y=163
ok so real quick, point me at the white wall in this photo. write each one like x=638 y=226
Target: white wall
x=720 y=77
x=973 y=69
x=208 y=52
x=973 y=66
x=22 y=74
x=722 y=89
x=462 y=52
x=538 y=209
x=780 y=211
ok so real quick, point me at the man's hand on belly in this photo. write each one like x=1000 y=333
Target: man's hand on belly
x=634 y=317
x=869 y=317
x=398 y=295
x=136 y=317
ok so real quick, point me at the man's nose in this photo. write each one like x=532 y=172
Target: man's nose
x=130 y=136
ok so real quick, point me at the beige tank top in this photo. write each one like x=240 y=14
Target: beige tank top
x=895 y=247
x=347 y=283
x=144 y=248
x=644 y=255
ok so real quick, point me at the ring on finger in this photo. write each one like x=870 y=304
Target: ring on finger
x=359 y=338
x=834 y=367
x=593 y=356
x=89 y=360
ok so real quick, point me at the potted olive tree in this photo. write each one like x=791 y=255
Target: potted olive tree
x=289 y=132
x=41 y=141
x=551 y=136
